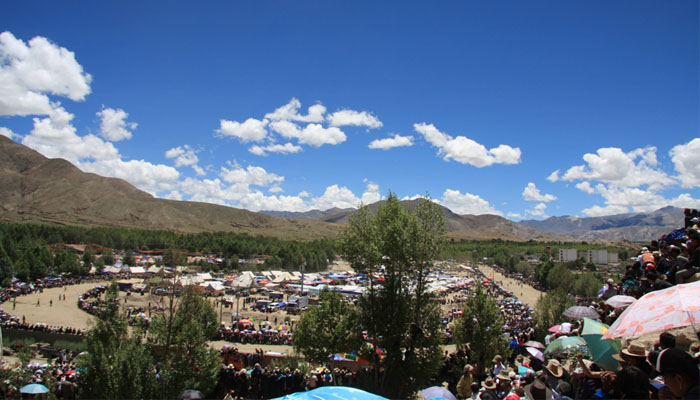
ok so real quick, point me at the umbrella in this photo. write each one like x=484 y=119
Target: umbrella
x=34 y=388
x=675 y=307
x=190 y=395
x=332 y=393
x=601 y=350
x=535 y=353
x=437 y=393
x=620 y=301
x=580 y=312
x=535 y=344
x=564 y=343
x=554 y=328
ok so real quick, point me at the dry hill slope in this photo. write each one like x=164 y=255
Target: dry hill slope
x=36 y=189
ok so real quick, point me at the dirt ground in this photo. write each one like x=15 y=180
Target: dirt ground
x=525 y=293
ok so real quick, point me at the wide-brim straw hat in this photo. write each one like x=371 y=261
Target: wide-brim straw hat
x=554 y=368
x=488 y=383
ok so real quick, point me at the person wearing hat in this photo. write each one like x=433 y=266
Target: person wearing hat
x=497 y=366
x=464 y=386
x=488 y=390
x=636 y=355
x=538 y=390
x=680 y=373
x=555 y=373
x=503 y=386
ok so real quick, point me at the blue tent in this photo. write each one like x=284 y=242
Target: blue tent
x=332 y=393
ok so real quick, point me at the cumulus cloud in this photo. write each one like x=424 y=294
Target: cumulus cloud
x=390 y=143
x=252 y=130
x=290 y=112
x=354 y=118
x=538 y=210
x=514 y=215
x=335 y=196
x=686 y=159
x=598 y=211
x=185 y=156
x=251 y=175
x=465 y=150
x=371 y=194
x=286 y=128
x=29 y=72
x=316 y=135
x=275 y=189
x=531 y=193
x=152 y=178
x=467 y=203
x=286 y=148
x=113 y=126
x=612 y=165
x=554 y=176
x=55 y=137
x=7 y=132
x=585 y=187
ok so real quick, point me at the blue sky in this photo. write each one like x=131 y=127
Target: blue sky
x=522 y=109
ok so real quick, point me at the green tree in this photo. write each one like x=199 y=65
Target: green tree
x=180 y=337
x=330 y=328
x=549 y=310
x=173 y=258
x=108 y=258
x=399 y=316
x=128 y=258
x=481 y=326
x=88 y=259
x=560 y=277
x=587 y=285
x=117 y=365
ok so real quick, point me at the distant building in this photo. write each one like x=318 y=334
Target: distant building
x=568 y=255
x=598 y=257
x=612 y=258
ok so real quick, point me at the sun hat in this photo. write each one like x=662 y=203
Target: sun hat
x=554 y=368
x=497 y=359
x=675 y=361
x=488 y=383
x=634 y=350
x=503 y=376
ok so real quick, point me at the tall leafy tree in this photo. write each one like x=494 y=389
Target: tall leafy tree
x=180 y=335
x=397 y=245
x=549 y=310
x=481 y=326
x=117 y=365
x=330 y=328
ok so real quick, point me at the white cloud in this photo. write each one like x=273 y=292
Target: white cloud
x=597 y=211
x=554 y=176
x=153 y=178
x=531 y=193
x=389 y=143
x=286 y=128
x=290 y=112
x=316 y=135
x=55 y=137
x=113 y=126
x=514 y=215
x=686 y=158
x=354 y=118
x=465 y=150
x=467 y=203
x=585 y=187
x=286 y=148
x=252 y=130
x=250 y=176
x=29 y=72
x=185 y=156
x=371 y=194
x=538 y=210
x=335 y=196
x=303 y=194
x=612 y=165
x=7 y=132
x=275 y=189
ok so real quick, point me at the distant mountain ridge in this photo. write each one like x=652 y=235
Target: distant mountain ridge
x=636 y=227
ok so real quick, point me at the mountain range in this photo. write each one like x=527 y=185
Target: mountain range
x=37 y=189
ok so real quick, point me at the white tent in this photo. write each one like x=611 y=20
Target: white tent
x=137 y=270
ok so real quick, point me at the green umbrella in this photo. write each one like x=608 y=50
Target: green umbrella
x=601 y=350
x=565 y=343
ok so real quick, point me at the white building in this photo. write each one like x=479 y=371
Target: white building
x=568 y=255
x=598 y=257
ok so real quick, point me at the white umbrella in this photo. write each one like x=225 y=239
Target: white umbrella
x=535 y=353
x=620 y=301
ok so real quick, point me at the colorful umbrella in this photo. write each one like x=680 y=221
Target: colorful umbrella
x=34 y=388
x=580 y=312
x=675 y=307
x=437 y=393
x=332 y=393
x=564 y=343
x=620 y=301
x=535 y=344
x=601 y=350
x=535 y=353
x=554 y=328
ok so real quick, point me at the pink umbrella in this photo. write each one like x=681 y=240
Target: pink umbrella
x=555 y=328
x=675 y=307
